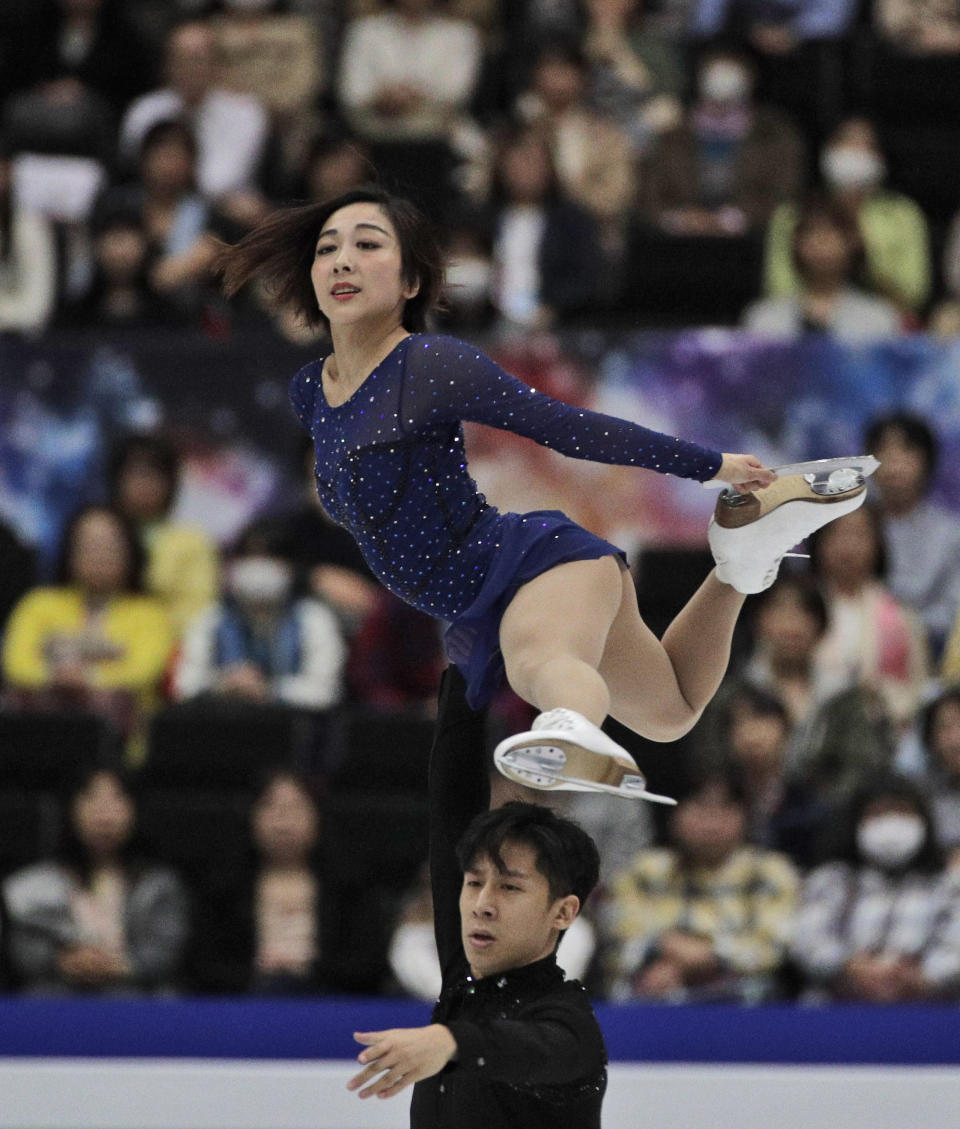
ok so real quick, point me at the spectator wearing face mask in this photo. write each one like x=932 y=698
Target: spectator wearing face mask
x=470 y=274
x=731 y=161
x=880 y=921
x=262 y=642
x=893 y=227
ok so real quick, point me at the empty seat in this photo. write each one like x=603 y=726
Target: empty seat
x=30 y=822
x=690 y=280
x=223 y=746
x=383 y=752
x=666 y=578
x=372 y=849
x=43 y=751
x=198 y=833
x=381 y=839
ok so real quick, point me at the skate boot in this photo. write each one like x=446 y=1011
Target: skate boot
x=567 y=753
x=750 y=534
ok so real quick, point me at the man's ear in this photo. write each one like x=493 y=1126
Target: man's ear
x=565 y=911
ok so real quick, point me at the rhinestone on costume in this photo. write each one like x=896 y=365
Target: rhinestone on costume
x=393 y=471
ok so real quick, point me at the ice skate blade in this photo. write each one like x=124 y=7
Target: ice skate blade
x=544 y=767
x=820 y=469
x=864 y=465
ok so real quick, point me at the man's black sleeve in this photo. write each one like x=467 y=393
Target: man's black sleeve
x=459 y=790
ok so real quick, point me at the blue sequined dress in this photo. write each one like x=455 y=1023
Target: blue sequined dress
x=391 y=468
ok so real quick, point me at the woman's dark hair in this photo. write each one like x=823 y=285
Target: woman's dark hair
x=700 y=776
x=70 y=850
x=822 y=209
x=267 y=535
x=807 y=593
x=169 y=129
x=915 y=431
x=264 y=782
x=136 y=556
x=758 y=701
x=928 y=715
x=884 y=785
x=565 y=854
x=281 y=249
x=513 y=137
x=138 y=447
x=815 y=544
x=562 y=48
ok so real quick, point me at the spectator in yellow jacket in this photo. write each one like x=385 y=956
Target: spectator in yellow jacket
x=93 y=641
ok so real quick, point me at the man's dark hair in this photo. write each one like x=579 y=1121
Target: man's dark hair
x=281 y=250
x=915 y=431
x=566 y=855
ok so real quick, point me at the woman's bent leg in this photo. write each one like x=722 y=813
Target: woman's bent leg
x=659 y=689
x=574 y=637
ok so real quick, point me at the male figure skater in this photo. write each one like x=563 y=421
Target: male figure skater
x=512 y=1042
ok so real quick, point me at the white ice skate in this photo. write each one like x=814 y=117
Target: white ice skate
x=750 y=534
x=564 y=752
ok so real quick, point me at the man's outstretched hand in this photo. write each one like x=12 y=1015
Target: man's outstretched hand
x=401 y=1057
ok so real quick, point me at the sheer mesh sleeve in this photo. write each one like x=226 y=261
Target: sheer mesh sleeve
x=448 y=380
x=303 y=392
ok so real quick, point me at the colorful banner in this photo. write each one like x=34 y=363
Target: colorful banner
x=225 y=401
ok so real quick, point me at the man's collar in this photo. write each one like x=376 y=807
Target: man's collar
x=543 y=971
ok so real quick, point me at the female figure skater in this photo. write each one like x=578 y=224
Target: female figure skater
x=534 y=595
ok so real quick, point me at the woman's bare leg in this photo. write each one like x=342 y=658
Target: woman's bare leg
x=658 y=688
x=574 y=637
x=554 y=632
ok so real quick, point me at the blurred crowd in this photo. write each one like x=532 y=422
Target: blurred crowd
x=785 y=165
x=788 y=165
x=814 y=853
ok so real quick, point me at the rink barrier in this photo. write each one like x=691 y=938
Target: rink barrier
x=322 y=1029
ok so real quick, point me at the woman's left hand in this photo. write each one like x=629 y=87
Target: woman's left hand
x=744 y=473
